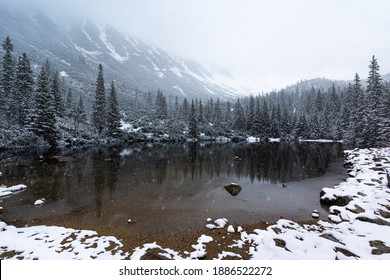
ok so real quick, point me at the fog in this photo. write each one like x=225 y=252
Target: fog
x=265 y=44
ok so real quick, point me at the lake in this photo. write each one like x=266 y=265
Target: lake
x=168 y=188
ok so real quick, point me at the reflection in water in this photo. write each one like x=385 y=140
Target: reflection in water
x=175 y=184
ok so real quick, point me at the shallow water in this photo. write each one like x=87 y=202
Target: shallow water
x=173 y=187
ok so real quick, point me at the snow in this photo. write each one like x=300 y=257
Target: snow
x=111 y=48
x=7 y=191
x=252 y=139
x=200 y=251
x=231 y=229
x=176 y=71
x=57 y=243
x=320 y=140
x=180 y=90
x=360 y=229
x=39 y=202
x=63 y=74
x=65 y=62
x=128 y=127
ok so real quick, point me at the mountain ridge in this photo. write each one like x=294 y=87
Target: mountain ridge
x=77 y=49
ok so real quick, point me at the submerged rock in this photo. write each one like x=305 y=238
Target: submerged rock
x=1 y=210
x=233 y=189
x=61 y=159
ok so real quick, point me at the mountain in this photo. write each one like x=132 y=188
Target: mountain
x=76 y=49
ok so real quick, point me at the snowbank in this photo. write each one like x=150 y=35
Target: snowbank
x=7 y=191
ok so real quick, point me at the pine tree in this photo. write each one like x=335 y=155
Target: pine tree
x=218 y=114
x=250 y=115
x=113 y=117
x=384 y=117
x=185 y=110
x=99 y=108
x=193 y=124
x=256 y=127
x=265 y=121
x=200 y=113
x=7 y=101
x=69 y=102
x=55 y=91
x=161 y=106
x=239 y=118
x=45 y=122
x=78 y=115
x=373 y=99
x=23 y=88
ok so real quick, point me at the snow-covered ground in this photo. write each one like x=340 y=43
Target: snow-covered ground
x=358 y=228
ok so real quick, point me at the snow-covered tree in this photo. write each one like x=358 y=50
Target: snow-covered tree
x=24 y=84
x=373 y=99
x=78 y=115
x=99 y=107
x=7 y=101
x=55 y=91
x=193 y=123
x=45 y=119
x=113 y=116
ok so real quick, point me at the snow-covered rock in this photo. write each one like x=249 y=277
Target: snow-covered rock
x=39 y=202
x=6 y=191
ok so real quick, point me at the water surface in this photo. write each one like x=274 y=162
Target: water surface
x=173 y=187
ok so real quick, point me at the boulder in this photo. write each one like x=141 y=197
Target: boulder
x=233 y=189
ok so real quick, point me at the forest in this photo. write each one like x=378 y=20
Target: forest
x=39 y=109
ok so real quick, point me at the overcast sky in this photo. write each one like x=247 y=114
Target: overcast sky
x=271 y=43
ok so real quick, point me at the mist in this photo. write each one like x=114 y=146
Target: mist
x=264 y=44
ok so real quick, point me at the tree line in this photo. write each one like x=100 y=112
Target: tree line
x=42 y=110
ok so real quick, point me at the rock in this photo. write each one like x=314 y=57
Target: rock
x=130 y=221
x=284 y=186
x=388 y=176
x=233 y=189
x=315 y=215
x=237 y=158
x=39 y=202
x=6 y=160
x=61 y=159
x=231 y=229
x=1 y=210
x=108 y=159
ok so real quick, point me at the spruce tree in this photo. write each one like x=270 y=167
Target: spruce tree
x=24 y=83
x=7 y=101
x=113 y=117
x=373 y=99
x=45 y=122
x=250 y=114
x=218 y=114
x=99 y=107
x=55 y=91
x=200 y=113
x=193 y=124
x=239 y=117
x=78 y=115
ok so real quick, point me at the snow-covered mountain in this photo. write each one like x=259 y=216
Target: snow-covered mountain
x=76 y=49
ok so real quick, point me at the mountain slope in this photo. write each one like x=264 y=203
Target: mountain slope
x=77 y=49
